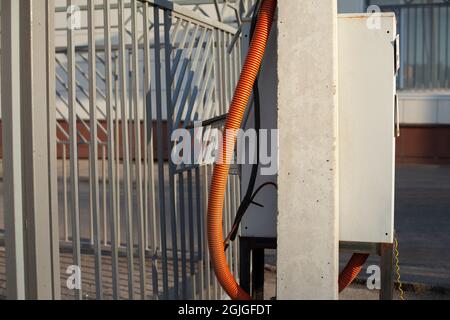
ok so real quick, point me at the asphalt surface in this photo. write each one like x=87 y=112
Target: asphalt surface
x=423 y=224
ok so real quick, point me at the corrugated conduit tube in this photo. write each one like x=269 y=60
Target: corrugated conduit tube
x=222 y=167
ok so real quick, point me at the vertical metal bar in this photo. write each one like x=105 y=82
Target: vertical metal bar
x=229 y=69
x=437 y=38
x=405 y=23
x=200 y=239
x=416 y=35
x=447 y=45
x=438 y=41
x=161 y=175
x=130 y=119
x=226 y=226
x=172 y=206
x=258 y=274
x=218 y=71
x=182 y=213
x=431 y=62
x=230 y=218
x=11 y=135
x=117 y=144
x=191 y=214
x=91 y=200
x=137 y=148
x=51 y=137
x=245 y=264
x=225 y=83
x=235 y=244
x=104 y=196
x=113 y=194
x=66 y=205
x=233 y=209
x=126 y=153
x=75 y=209
x=191 y=217
x=93 y=156
x=205 y=237
x=146 y=201
x=424 y=39
x=151 y=199
x=387 y=275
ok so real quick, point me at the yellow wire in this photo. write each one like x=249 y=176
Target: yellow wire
x=397 y=270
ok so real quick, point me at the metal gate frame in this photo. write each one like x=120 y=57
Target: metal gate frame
x=197 y=65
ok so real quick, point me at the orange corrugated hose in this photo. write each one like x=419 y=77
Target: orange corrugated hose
x=351 y=271
x=222 y=167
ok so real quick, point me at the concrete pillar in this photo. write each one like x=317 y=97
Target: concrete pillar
x=308 y=178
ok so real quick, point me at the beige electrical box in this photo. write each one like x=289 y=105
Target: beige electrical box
x=368 y=63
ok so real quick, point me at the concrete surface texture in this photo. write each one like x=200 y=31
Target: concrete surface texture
x=307 y=103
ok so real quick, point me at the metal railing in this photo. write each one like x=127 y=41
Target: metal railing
x=424 y=30
x=229 y=11
x=132 y=220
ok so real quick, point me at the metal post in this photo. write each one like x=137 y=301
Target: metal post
x=244 y=267
x=112 y=175
x=258 y=274
x=35 y=149
x=387 y=276
x=170 y=112
x=74 y=170
x=160 y=153
x=126 y=151
x=15 y=271
x=138 y=154
x=93 y=150
x=52 y=159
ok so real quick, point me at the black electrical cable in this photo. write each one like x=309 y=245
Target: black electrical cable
x=235 y=227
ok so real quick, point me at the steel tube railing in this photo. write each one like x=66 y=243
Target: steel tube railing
x=132 y=220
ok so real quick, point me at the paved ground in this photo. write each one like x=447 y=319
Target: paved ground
x=89 y=283
x=423 y=228
x=360 y=292
x=423 y=223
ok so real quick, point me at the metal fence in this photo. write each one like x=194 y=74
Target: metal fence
x=229 y=11
x=425 y=42
x=125 y=78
